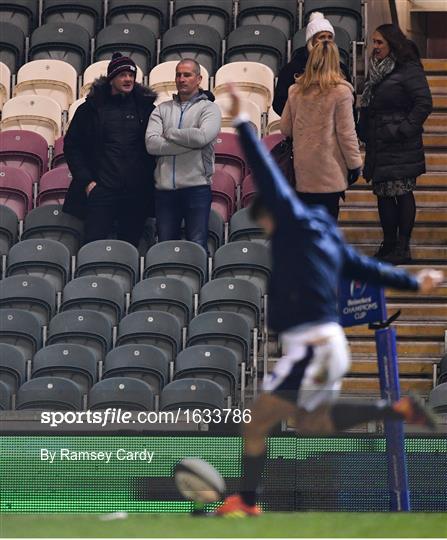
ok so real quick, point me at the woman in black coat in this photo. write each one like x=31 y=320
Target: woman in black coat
x=395 y=104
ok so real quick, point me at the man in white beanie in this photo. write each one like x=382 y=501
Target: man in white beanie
x=318 y=29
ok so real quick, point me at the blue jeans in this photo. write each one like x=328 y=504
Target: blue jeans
x=190 y=204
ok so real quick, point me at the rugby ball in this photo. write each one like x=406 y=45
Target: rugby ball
x=199 y=481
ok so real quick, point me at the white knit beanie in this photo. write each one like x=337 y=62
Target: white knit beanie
x=317 y=23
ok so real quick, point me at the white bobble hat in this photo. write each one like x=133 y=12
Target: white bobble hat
x=317 y=23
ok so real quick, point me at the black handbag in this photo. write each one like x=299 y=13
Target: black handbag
x=282 y=153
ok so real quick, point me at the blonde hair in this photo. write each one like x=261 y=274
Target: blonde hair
x=322 y=68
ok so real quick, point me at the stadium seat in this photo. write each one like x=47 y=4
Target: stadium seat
x=257 y=43
x=157 y=328
x=54 y=185
x=248 y=107
x=217 y=328
x=84 y=327
x=5 y=84
x=58 y=153
x=85 y=13
x=9 y=228
x=177 y=258
x=217 y=15
x=61 y=41
x=32 y=293
x=127 y=393
x=44 y=258
x=229 y=156
x=96 y=70
x=346 y=14
x=16 y=190
x=5 y=397
x=442 y=368
x=114 y=259
x=198 y=41
x=12 y=366
x=50 y=222
x=144 y=362
x=254 y=81
x=40 y=114
x=224 y=194
x=171 y=295
x=25 y=150
x=244 y=259
x=153 y=15
x=280 y=14
x=22 y=329
x=273 y=121
x=49 y=394
x=438 y=398
x=72 y=110
x=23 y=14
x=133 y=40
x=212 y=362
x=342 y=39
x=69 y=361
x=192 y=394
x=52 y=78
x=248 y=191
x=216 y=232
x=12 y=46
x=242 y=227
x=97 y=293
x=272 y=140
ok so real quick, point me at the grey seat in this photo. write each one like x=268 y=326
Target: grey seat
x=216 y=232
x=229 y=330
x=257 y=43
x=46 y=258
x=154 y=15
x=443 y=370
x=20 y=13
x=178 y=258
x=69 y=361
x=342 y=39
x=97 y=293
x=9 y=226
x=242 y=227
x=133 y=40
x=198 y=41
x=116 y=259
x=157 y=328
x=32 y=293
x=50 y=222
x=234 y=295
x=84 y=327
x=125 y=392
x=438 y=398
x=280 y=14
x=22 y=329
x=144 y=362
x=5 y=397
x=12 y=46
x=192 y=394
x=163 y=294
x=12 y=366
x=212 y=362
x=217 y=15
x=244 y=259
x=61 y=41
x=49 y=394
x=86 y=13
x=346 y=14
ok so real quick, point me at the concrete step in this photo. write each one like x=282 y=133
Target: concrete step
x=436 y=123
x=419 y=312
x=434 y=180
x=419 y=253
x=422 y=235
x=370 y=215
x=416 y=367
x=370 y=385
x=435 y=65
x=435 y=140
x=424 y=198
x=439 y=293
x=436 y=161
x=438 y=84
x=405 y=348
x=435 y=331
x=439 y=101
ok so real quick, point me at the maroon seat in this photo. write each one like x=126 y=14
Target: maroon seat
x=230 y=157
x=53 y=186
x=16 y=190
x=272 y=140
x=59 y=157
x=224 y=194
x=25 y=150
x=248 y=191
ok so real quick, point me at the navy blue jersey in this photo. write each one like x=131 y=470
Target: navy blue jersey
x=309 y=253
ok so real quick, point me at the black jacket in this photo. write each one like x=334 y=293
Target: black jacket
x=84 y=146
x=391 y=126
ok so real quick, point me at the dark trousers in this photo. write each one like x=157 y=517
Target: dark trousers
x=109 y=211
x=330 y=201
x=190 y=204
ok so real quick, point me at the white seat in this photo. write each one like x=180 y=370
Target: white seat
x=248 y=107
x=40 y=114
x=253 y=80
x=273 y=122
x=72 y=109
x=162 y=80
x=96 y=70
x=52 y=78
x=5 y=83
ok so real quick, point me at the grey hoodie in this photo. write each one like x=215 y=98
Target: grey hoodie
x=182 y=135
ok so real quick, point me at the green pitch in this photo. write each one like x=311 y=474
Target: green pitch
x=318 y=525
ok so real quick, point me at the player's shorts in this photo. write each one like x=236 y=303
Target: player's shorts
x=312 y=367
